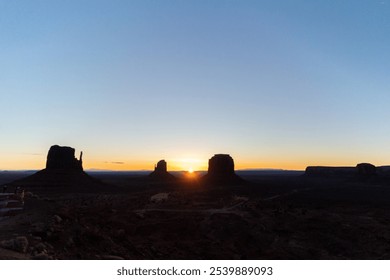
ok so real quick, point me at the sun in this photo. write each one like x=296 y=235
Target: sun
x=189 y=165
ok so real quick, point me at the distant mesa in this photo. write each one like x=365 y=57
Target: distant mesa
x=221 y=170
x=160 y=172
x=362 y=170
x=63 y=158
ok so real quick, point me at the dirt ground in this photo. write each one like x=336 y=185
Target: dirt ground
x=270 y=217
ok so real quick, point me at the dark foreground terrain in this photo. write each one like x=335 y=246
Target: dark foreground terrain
x=270 y=217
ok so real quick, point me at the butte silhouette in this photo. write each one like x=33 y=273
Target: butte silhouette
x=63 y=172
x=63 y=158
x=160 y=172
x=221 y=171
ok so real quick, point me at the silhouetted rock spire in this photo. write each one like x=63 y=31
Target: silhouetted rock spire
x=161 y=166
x=160 y=172
x=63 y=158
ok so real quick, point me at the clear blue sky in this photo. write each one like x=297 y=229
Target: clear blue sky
x=280 y=84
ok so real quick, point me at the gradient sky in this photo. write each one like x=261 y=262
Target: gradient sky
x=276 y=84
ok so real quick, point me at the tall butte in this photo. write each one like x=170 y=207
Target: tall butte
x=63 y=158
x=221 y=170
x=63 y=173
x=160 y=172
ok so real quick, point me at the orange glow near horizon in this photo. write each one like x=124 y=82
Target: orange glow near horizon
x=187 y=164
x=191 y=176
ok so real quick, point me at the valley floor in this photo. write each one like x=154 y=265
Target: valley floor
x=287 y=217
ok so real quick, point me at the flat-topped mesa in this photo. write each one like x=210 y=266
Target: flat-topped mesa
x=160 y=171
x=361 y=170
x=221 y=170
x=63 y=158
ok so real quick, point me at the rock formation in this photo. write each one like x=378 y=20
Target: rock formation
x=221 y=170
x=366 y=170
x=160 y=172
x=220 y=165
x=63 y=173
x=361 y=170
x=63 y=158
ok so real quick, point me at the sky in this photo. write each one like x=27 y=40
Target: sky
x=275 y=84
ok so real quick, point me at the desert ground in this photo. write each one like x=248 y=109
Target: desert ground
x=126 y=215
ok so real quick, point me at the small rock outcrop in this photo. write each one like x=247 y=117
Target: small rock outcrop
x=160 y=172
x=18 y=244
x=221 y=170
x=366 y=169
x=63 y=158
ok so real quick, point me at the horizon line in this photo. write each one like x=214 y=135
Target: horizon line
x=150 y=170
